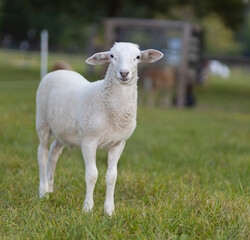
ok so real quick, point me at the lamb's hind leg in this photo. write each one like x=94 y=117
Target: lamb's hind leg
x=42 y=154
x=54 y=153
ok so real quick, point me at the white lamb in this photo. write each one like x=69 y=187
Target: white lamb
x=94 y=115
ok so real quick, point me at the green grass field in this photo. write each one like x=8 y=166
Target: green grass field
x=184 y=174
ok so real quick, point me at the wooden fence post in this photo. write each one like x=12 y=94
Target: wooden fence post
x=44 y=52
x=183 y=70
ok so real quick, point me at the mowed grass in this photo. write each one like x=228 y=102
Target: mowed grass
x=184 y=174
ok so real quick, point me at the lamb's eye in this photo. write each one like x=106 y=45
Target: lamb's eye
x=138 y=57
x=111 y=56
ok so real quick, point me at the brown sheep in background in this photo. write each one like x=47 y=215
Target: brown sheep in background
x=59 y=65
x=159 y=79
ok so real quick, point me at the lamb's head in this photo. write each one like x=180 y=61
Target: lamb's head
x=123 y=58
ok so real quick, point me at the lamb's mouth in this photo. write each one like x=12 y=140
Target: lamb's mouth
x=124 y=80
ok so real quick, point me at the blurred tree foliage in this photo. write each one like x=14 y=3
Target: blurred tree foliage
x=244 y=35
x=219 y=39
x=230 y=11
x=68 y=21
x=20 y=17
x=1 y=13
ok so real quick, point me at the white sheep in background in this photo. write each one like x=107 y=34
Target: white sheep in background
x=218 y=68
x=94 y=115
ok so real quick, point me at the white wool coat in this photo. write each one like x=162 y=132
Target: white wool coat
x=78 y=110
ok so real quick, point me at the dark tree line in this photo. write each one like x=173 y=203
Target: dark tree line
x=68 y=21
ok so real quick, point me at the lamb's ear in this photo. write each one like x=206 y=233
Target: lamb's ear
x=98 y=58
x=150 y=55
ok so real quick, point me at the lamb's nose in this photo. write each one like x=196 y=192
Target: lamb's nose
x=124 y=74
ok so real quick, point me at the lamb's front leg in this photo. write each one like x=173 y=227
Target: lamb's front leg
x=91 y=173
x=113 y=158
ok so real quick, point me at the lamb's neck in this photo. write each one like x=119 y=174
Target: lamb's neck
x=120 y=94
x=120 y=102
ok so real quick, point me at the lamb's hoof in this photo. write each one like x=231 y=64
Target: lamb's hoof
x=109 y=209
x=44 y=195
x=50 y=190
x=43 y=191
x=88 y=206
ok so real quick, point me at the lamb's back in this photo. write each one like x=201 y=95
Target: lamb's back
x=62 y=79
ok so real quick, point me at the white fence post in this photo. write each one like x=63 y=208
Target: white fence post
x=44 y=52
